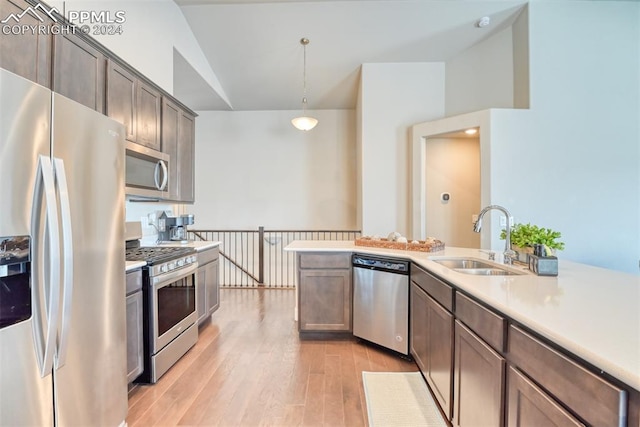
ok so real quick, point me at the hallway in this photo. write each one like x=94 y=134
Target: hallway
x=250 y=368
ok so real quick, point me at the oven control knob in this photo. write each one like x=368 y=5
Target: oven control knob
x=188 y=260
x=194 y=258
x=163 y=268
x=180 y=262
x=172 y=265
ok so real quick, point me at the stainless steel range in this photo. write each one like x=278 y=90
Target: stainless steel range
x=169 y=295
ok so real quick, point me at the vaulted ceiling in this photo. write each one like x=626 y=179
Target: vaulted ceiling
x=254 y=46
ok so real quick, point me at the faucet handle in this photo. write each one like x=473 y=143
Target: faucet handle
x=509 y=256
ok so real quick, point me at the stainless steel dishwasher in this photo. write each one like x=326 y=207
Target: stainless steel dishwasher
x=381 y=301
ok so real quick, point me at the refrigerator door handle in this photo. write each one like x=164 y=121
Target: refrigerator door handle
x=46 y=340
x=67 y=242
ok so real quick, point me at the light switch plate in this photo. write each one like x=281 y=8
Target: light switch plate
x=503 y=221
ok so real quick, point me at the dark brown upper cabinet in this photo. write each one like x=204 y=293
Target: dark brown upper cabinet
x=79 y=71
x=27 y=54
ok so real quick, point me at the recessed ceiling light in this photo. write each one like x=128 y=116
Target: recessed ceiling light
x=472 y=131
x=483 y=22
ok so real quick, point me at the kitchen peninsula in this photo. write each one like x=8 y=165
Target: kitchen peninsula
x=583 y=324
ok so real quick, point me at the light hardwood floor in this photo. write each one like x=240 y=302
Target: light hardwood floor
x=250 y=368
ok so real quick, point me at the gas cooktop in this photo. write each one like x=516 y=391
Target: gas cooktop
x=153 y=254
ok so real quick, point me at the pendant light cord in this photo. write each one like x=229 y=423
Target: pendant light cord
x=304 y=43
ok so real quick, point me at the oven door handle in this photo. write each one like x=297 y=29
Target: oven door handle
x=167 y=278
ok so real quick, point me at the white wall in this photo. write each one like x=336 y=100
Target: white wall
x=572 y=162
x=153 y=28
x=577 y=152
x=520 y=42
x=452 y=166
x=254 y=168
x=393 y=97
x=482 y=76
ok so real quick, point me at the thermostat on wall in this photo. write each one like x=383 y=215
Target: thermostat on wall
x=445 y=197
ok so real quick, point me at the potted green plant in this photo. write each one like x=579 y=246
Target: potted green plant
x=524 y=236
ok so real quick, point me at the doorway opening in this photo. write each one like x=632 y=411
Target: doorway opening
x=452 y=188
x=448 y=163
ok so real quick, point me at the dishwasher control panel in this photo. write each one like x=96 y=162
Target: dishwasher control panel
x=394 y=265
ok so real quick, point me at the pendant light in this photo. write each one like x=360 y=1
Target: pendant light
x=304 y=122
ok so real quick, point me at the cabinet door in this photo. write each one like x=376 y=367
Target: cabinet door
x=121 y=97
x=148 y=116
x=26 y=54
x=432 y=343
x=186 y=157
x=201 y=293
x=134 y=336
x=170 y=119
x=419 y=325
x=478 y=381
x=79 y=71
x=213 y=287
x=178 y=141
x=325 y=300
x=529 y=406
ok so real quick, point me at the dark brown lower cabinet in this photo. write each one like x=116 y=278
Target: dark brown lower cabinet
x=325 y=300
x=208 y=286
x=432 y=345
x=479 y=373
x=530 y=406
x=592 y=398
x=324 y=293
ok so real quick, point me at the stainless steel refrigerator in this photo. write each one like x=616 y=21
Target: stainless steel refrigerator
x=62 y=266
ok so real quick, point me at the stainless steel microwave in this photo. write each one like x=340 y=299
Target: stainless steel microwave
x=146 y=172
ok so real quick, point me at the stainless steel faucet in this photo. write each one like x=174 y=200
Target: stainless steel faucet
x=509 y=254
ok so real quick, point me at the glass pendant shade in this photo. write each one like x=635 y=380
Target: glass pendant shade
x=304 y=122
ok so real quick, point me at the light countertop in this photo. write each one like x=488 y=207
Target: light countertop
x=132 y=265
x=592 y=312
x=199 y=245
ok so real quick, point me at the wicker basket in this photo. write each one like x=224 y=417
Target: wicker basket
x=430 y=245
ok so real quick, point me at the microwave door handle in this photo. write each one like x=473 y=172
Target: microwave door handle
x=45 y=190
x=67 y=240
x=156 y=174
x=165 y=175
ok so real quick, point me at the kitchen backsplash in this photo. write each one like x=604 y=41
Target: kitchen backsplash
x=147 y=214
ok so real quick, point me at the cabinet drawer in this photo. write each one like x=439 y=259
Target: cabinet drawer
x=207 y=256
x=590 y=397
x=486 y=324
x=134 y=281
x=437 y=289
x=324 y=260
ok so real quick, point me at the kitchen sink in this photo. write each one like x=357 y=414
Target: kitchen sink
x=475 y=266
x=486 y=271
x=463 y=263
